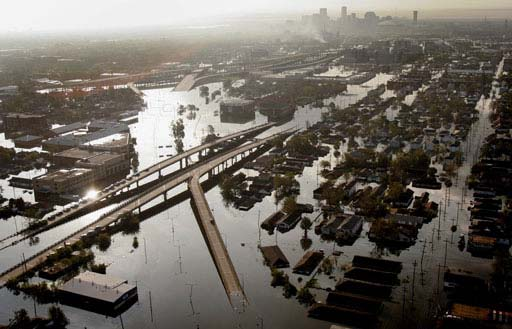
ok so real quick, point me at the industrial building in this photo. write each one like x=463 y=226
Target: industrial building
x=63 y=181
x=28 y=141
x=29 y=123
x=98 y=292
x=96 y=132
x=90 y=170
x=237 y=111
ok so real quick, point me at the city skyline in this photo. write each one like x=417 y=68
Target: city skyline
x=55 y=15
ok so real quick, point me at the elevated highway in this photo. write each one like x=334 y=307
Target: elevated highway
x=138 y=179
x=211 y=233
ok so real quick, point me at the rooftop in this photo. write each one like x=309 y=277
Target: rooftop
x=119 y=139
x=236 y=102
x=78 y=154
x=23 y=116
x=27 y=138
x=69 y=128
x=97 y=286
x=64 y=174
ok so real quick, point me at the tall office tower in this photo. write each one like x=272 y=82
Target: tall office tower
x=415 y=16
x=344 y=13
x=323 y=12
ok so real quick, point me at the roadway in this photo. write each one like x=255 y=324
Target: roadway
x=136 y=178
x=186 y=83
x=213 y=238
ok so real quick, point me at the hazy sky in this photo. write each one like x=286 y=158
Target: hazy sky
x=26 y=15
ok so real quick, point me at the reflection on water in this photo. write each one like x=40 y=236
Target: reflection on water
x=173 y=263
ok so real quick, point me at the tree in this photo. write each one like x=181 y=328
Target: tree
x=57 y=316
x=305 y=296
x=305 y=244
x=325 y=164
x=327 y=266
x=99 y=268
x=179 y=145
x=178 y=132
x=394 y=191
x=21 y=319
x=306 y=224
x=304 y=144
x=289 y=205
x=104 y=241
x=129 y=223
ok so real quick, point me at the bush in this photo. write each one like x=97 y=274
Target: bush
x=56 y=315
x=99 y=268
x=129 y=224
x=304 y=296
x=103 y=241
x=289 y=290
x=278 y=278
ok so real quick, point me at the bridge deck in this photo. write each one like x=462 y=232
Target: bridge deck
x=156 y=167
x=219 y=253
x=187 y=83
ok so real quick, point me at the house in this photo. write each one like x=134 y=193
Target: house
x=454 y=280
x=404 y=199
x=350 y=228
x=480 y=243
x=416 y=144
x=406 y=220
x=271 y=221
x=332 y=225
x=351 y=187
x=395 y=143
x=289 y=221
x=274 y=257
x=308 y=262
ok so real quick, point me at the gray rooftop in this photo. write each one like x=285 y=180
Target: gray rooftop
x=97 y=286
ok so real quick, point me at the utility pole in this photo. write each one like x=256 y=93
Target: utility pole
x=259 y=229
x=458 y=208
x=121 y=319
x=191 y=285
x=145 y=251
x=413 y=282
x=439 y=222
x=445 y=252
x=438 y=278
x=151 y=306
x=403 y=303
x=179 y=258
x=421 y=262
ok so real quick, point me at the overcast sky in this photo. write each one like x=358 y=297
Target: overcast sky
x=26 y=15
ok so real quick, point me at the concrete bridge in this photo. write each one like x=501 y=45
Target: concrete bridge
x=191 y=175
x=145 y=176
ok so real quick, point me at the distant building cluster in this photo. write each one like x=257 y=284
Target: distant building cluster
x=346 y=22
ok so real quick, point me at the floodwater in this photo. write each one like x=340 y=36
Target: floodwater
x=177 y=281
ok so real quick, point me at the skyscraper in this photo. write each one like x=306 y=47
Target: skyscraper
x=415 y=16
x=344 y=13
x=323 y=12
